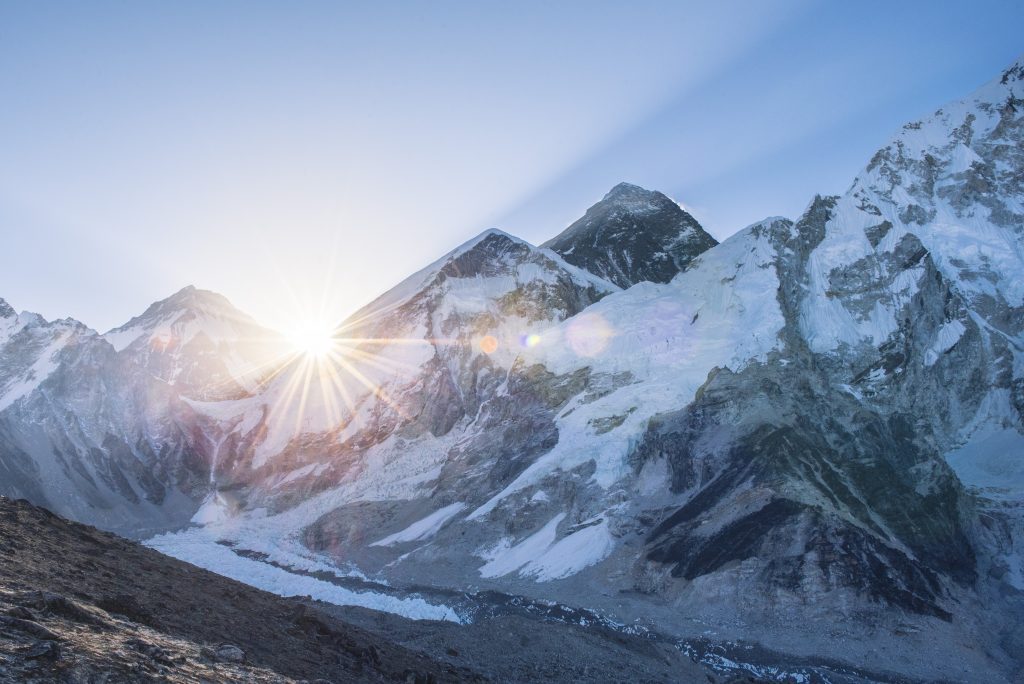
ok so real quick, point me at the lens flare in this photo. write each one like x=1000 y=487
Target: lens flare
x=488 y=344
x=530 y=341
x=588 y=334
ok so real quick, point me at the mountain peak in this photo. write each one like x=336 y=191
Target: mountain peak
x=188 y=303
x=632 y=235
x=1015 y=72
x=636 y=199
x=5 y=309
x=494 y=234
x=191 y=296
x=625 y=189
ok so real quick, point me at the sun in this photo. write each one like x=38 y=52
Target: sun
x=313 y=340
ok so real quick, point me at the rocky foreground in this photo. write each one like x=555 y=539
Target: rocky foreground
x=81 y=605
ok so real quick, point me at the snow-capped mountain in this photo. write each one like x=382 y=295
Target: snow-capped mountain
x=414 y=365
x=633 y=235
x=100 y=428
x=808 y=436
x=200 y=344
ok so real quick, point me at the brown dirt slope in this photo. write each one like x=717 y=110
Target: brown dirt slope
x=81 y=605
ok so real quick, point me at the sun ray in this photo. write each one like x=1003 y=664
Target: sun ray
x=304 y=399
x=291 y=387
x=370 y=385
x=338 y=382
x=378 y=361
x=330 y=399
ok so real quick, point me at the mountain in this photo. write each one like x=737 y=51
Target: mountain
x=100 y=428
x=799 y=451
x=412 y=367
x=633 y=235
x=198 y=343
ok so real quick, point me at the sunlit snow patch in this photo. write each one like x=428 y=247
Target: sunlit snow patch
x=422 y=529
x=541 y=557
x=199 y=547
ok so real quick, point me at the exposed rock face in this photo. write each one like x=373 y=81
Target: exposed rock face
x=633 y=235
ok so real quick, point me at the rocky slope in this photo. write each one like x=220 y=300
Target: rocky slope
x=80 y=605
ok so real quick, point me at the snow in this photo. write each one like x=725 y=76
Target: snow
x=422 y=529
x=825 y=321
x=311 y=469
x=540 y=557
x=244 y=413
x=572 y=553
x=980 y=257
x=723 y=313
x=198 y=547
x=168 y=326
x=991 y=455
x=11 y=325
x=25 y=383
x=504 y=559
x=302 y=400
x=121 y=339
x=947 y=336
x=215 y=509
x=992 y=460
x=415 y=283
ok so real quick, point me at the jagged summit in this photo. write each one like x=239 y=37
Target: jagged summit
x=198 y=341
x=6 y=311
x=632 y=235
x=199 y=310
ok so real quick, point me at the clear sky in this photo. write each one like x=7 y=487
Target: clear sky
x=303 y=157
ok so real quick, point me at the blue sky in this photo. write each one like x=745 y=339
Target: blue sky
x=303 y=157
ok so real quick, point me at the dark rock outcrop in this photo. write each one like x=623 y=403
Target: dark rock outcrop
x=633 y=235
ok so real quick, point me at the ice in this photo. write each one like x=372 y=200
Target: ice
x=202 y=550
x=422 y=529
x=505 y=559
x=947 y=336
x=215 y=509
x=720 y=313
x=992 y=460
x=572 y=553
x=542 y=558
x=25 y=383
